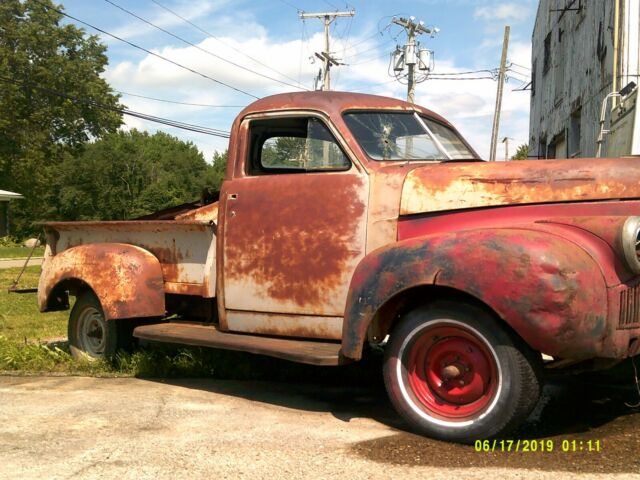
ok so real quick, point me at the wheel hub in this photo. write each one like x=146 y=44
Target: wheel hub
x=92 y=332
x=451 y=372
x=456 y=371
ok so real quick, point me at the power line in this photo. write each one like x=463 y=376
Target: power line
x=208 y=52
x=464 y=73
x=289 y=4
x=366 y=39
x=145 y=50
x=459 y=78
x=177 y=102
x=125 y=111
x=521 y=66
x=209 y=34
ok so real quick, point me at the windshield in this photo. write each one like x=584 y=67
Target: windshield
x=405 y=136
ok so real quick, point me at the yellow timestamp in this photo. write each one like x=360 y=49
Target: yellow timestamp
x=535 y=445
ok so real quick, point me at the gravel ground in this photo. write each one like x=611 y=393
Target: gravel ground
x=74 y=427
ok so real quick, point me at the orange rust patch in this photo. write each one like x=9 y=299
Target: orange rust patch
x=295 y=236
x=126 y=279
x=480 y=184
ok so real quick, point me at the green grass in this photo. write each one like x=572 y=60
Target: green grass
x=19 y=252
x=26 y=347
x=20 y=319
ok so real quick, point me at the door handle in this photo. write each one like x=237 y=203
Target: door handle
x=232 y=196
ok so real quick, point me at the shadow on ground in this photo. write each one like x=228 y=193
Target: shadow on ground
x=569 y=410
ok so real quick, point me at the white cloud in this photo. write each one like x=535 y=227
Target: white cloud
x=467 y=104
x=513 y=12
x=164 y=19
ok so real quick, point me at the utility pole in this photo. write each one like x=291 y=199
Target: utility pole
x=505 y=140
x=327 y=59
x=411 y=55
x=496 y=115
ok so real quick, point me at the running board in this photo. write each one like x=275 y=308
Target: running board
x=197 y=334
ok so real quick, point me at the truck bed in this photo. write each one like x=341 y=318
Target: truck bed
x=186 y=249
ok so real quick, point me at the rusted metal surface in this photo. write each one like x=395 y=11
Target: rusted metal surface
x=183 y=247
x=292 y=242
x=536 y=241
x=629 y=307
x=126 y=279
x=208 y=213
x=304 y=351
x=453 y=186
x=384 y=205
x=546 y=288
x=301 y=326
x=595 y=226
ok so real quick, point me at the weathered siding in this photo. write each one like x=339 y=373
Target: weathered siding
x=579 y=72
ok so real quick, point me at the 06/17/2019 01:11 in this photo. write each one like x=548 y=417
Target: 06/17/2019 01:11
x=542 y=445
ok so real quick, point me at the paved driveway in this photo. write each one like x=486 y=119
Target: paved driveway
x=17 y=262
x=74 y=427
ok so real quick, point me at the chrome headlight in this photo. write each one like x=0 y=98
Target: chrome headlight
x=631 y=243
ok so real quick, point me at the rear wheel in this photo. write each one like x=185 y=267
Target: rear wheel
x=455 y=374
x=90 y=335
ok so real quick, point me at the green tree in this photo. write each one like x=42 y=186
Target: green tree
x=39 y=56
x=129 y=174
x=218 y=169
x=522 y=153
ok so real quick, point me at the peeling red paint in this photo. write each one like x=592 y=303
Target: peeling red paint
x=547 y=289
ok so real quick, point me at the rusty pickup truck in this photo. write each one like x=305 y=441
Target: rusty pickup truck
x=351 y=222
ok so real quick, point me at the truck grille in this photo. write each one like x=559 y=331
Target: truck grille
x=630 y=308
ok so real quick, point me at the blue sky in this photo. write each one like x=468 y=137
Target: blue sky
x=470 y=38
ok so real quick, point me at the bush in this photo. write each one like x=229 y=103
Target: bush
x=9 y=242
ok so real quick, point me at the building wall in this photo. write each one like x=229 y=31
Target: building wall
x=572 y=72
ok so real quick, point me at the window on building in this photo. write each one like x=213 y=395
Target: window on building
x=558 y=147
x=547 y=54
x=575 y=133
x=559 y=69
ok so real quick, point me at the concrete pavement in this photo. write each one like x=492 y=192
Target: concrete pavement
x=19 y=262
x=75 y=427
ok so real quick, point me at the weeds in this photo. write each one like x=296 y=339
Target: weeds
x=26 y=347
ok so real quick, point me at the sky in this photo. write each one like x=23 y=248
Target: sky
x=268 y=42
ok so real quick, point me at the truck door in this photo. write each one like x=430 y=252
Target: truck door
x=294 y=229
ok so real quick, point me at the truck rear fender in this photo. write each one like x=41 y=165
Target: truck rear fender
x=549 y=290
x=126 y=279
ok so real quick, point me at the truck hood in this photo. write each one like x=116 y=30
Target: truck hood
x=456 y=186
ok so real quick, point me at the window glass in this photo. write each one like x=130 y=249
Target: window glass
x=451 y=142
x=300 y=144
x=393 y=136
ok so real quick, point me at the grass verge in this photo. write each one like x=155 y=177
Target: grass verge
x=19 y=252
x=26 y=348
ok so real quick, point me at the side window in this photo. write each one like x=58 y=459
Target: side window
x=293 y=144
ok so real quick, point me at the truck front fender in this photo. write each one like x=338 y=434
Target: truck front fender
x=547 y=288
x=126 y=279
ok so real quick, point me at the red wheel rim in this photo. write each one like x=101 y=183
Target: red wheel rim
x=452 y=372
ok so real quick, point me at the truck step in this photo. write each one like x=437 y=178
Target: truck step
x=207 y=335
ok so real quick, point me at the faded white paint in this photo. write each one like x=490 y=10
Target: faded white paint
x=192 y=246
x=307 y=326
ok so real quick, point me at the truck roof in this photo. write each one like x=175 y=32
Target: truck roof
x=333 y=103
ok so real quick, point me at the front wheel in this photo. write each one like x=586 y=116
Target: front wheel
x=455 y=374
